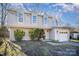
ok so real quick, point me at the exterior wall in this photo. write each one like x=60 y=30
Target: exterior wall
x=49 y=34
x=63 y=35
x=52 y=34
x=27 y=19
x=11 y=31
x=57 y=35
x=75 y=35
x=46 y=34
x=50 y=21
x=26 y=37
x=40 y=21
x=11 y=34
x=12 y=20
x=13 y=24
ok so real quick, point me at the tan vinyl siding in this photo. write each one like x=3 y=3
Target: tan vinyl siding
x=50 y=21
x=27 y=19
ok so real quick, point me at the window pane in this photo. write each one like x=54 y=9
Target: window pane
x=20 y=17
x=34 y=19
x=45 y=20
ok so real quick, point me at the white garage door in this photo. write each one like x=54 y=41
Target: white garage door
x=26 y=37
x=64 y=36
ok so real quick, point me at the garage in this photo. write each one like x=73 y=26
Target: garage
x=26 y=37
x=61 y=34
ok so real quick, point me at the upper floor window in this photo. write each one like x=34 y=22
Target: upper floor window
x=46 y=20
x=20 y=17
x=33 y=19
x=53 y=23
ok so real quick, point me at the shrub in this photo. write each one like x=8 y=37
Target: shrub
x=4 y=32
x=36 y=34
x=19 y=34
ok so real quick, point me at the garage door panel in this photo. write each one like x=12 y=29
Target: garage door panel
x=63 y=37
x=26 y=37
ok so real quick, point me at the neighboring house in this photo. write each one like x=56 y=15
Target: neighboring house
x=26 y=20
x=75 y=33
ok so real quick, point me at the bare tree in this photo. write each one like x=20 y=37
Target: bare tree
x=3 y=13
x=3 y=30
x=6 y=46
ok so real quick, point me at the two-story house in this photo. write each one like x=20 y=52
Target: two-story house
x=26 y=20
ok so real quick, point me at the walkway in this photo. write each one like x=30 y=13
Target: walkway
x=71 y=43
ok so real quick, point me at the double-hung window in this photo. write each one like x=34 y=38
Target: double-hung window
x=45 y=20
x=33 y=19
x=20 y=17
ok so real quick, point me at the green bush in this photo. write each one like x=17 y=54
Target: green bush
x=36 y=34
x=19 y=34
x=4 y=32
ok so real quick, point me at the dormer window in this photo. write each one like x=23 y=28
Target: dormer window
x=20 y=17
x=33 y=19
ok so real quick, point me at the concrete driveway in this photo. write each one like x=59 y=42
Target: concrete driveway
x=71 y=43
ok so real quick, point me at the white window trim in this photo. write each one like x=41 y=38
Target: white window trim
x=18 y=18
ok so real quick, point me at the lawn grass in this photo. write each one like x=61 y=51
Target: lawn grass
x=74 y=40
x=39 y=48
